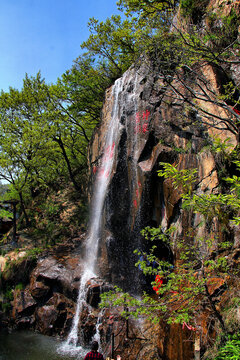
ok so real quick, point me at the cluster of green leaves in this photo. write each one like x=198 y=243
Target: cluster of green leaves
x=5 y=214
x=207 y=204
x=231 y=349
x=129 y=306
x=228 y=28
x=183 y=178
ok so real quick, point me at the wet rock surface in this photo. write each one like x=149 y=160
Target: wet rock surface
x=155 y=128
x=95 y=287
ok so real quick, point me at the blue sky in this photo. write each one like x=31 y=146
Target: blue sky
x=44 y=35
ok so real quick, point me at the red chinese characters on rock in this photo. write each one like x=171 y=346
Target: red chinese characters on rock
x=139 y=127
x=137 y=192
x=109 y=153
x=236 y=111
x=101 y=171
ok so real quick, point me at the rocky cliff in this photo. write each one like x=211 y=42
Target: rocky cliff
x=156 y=127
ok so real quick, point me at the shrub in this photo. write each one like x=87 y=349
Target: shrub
x=231 y=349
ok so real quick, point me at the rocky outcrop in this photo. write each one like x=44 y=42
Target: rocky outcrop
x=47 y=303
x=95 y=287
x=46 y=289
x=156 y=127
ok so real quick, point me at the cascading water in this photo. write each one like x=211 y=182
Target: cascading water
x=99 y=195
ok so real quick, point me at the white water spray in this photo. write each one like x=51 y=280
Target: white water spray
x=99 y=195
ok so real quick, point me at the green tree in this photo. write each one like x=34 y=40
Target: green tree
x=113 y=42
x=42 y=145
x=84 y=85
x=146 y=8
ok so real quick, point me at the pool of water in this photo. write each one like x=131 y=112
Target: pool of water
x=27 y=345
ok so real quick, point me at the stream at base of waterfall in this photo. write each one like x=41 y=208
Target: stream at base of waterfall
x=27 y=345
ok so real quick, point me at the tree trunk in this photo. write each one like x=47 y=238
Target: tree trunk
x=24 y=210
x=60 y=143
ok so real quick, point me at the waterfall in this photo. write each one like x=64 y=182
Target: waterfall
x=99 y=194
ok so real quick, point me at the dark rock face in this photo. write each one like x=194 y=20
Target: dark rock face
x=48 y=303
x=39 y=289
x=95 y=287
x=155 y=128
x=5 y=225
x=46 y=317
x=53 y=317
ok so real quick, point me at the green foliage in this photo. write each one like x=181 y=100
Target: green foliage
x=114 y=42
x=3 y=189
x=33 y=253
x=85 y=84
x=5 y=214
x=43 y=146
x=209 y=205
x=227 y=25
x=131 y=307
x=184 y=178
x=6 y=306
x=146 y=9
x=8 y=293
x=6 y=298
x=231 y=350
x=51 y=208
x=219 y=146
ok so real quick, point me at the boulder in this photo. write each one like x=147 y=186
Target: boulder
x=38 y=289
x=46 y=317
x=65 y=309
x=23 y=303
x=25 y=322
x=50 y=274
x=95 y=287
